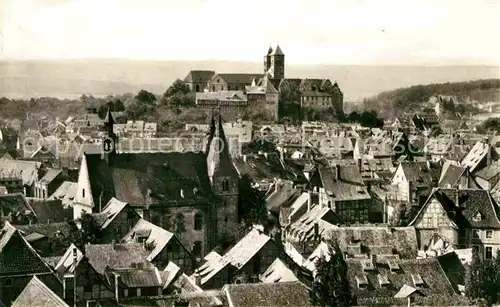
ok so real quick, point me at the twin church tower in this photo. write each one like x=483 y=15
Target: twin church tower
x=274 y=63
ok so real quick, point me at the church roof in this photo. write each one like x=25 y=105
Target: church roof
x=269 y=51
x=109 y=118
x=174 y=177
x=218 y=157
x=277 y=51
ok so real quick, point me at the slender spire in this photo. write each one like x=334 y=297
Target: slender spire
x=270 y=50
x=109 y=120
x=277 y=50
x=218 y=155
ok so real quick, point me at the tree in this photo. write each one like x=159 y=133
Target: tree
x=251 y=203
x=89 y=230
x=178 y=94
x=331 y=286
x=474 y=278
x=145 y=97
x=289 y=101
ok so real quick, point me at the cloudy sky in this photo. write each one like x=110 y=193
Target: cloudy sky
x=410 y=32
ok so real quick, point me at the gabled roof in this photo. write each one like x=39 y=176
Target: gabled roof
x=464 y=206
x=25 y=170
x=476 y=155
x=52 y=211
x=156 y=235
x=489 y=171
x=37 y=294
x=451 y=176
x=278 y=271
x=65 y=192
x=421 y=173
x=199 y=76
x=237 y=78
x=66 y=264
x=283 y=294
x=115 y=255
x=131 y=176
x=325 y=218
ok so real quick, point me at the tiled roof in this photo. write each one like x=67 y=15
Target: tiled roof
x=115 y=256
x=489 y=171
x=131 y=176
x=471 y=208
x=47 y=229
x=136 y=278
x=421 y=173
x=14 y=203
x=25 y=170
x=111 y=210
x=283 y=294
x=304 y=227
x=435 y=281
x=65 y=192
x=282 y=193
x=379 y=240
x=342 y=189
x=440 y=145
x=476 y=155
x=278 y=271
x=195 y=76
x=50 y=175
x=52 y=211
x=451 y=176
x=238 y=78
x=169 y=274
x=157 y=235
x=37 y=294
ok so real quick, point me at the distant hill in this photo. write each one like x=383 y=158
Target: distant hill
x=414 y=98
x=72 y=78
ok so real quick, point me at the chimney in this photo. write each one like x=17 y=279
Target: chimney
x=309 y=201
x=488 y=154
x=75 y=254
x=116 y=286
x=265 y=155
x=197 y=278
x=410 y=192
x=316 y=232
x=337 y=172
x=245 y=158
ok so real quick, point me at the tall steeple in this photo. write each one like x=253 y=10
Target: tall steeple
x=218 y=156
x=267 y=59
x=211 y=131
x=277 y=59
x=83 y=198
x=109 y=143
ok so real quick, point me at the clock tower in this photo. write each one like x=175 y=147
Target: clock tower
x=109 y=142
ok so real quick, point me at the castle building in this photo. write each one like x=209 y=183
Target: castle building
x=194 y=194
x=262 y=89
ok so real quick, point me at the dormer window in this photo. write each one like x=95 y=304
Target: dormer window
x=362 y=281
x=393 y=265
x=367 y=265
x=478 y=217
x=383 y=280
x=417 y=280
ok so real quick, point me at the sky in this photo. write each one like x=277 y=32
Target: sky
x=402 y=32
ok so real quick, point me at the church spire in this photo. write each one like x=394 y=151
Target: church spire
x=218 y=157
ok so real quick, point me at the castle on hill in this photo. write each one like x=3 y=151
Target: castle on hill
x=237 y=93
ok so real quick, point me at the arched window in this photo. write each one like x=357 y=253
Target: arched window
x=83 y=193
x=225 y=185
x=198 y=221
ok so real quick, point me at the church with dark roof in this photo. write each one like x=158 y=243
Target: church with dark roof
x=192 y=193
x=236 y=92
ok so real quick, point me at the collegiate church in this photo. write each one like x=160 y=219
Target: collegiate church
x=237 y=92
x=199 y=188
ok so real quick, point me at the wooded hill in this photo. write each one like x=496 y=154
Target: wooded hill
x=395 y=102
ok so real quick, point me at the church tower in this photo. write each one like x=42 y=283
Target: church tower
x=110 y=139
x=267 y=59
x=223 y=179
x=277 y=68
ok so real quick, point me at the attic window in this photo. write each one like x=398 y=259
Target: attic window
x=362 y=281
x=367 y=265
x=393 y=265
x=383 y=280
x=477 y=217
x=417 y=280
